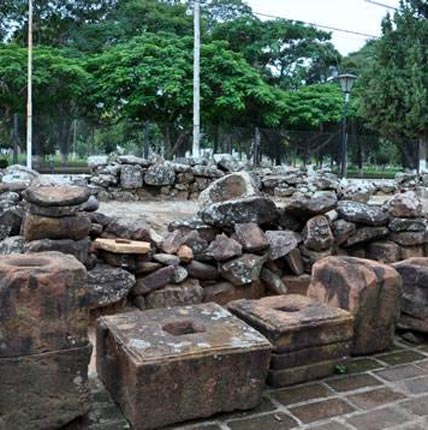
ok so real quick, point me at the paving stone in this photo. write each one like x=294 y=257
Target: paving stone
x=399 y=373
x=360 y=365
x=379 y=419
x=322 y=410
x=423 y=365
x=415 y=385
x=265 y=405
x=353 y=382
x=418 y=406
x=401 y=357
x=331 y=425
x=303 y=393
x=375 y=398
x=275 y=421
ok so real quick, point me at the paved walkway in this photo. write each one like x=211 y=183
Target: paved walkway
x=386 y=391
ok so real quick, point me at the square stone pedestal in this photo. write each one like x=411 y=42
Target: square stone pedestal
x=310 y=339
x=165 y=366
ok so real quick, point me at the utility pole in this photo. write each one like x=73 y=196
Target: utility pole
x=196 y=80
x=30 y=86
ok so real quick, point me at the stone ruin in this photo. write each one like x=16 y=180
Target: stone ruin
x=308 y=283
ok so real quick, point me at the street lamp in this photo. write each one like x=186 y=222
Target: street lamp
x=346 y=82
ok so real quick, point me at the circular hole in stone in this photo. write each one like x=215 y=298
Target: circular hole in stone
x=289 y=308
x=180 y=328
x=28 y=261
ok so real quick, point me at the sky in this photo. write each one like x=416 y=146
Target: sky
x=355 y=15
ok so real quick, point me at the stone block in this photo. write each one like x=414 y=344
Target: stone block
x=225 y=292
x=369 y=290
x=44 y=391
x=165 y=366
x=292 y=322
x=297 y=284
x=43 y=300
x=74 y=227
x=414 y=295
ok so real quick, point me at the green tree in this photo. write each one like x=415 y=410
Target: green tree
x=394 y=87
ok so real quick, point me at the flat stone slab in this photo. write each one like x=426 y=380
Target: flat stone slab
x=122 y=246
x=56 y=196
x=293 y=322
x=159 y=364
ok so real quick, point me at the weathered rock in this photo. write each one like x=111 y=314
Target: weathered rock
x=281 y=243
x=56 y=196
x=45 y=297
x=407 y=252
x=310 y=257
x=132 y=159
x=182 y=348
x=297 y=284
x=362 y=213
x=53 y=211
x=154 y=280
x=366 y=234
x=160 y=174
x=166 y=259
x=10 y=222
x=243 y=270
x=207 y=232
x=358 y=192
x=131 y=176
x=180 y=275
x=108 y=285
x=398 y=225
x=128 y=229
x=259 y=210
x=273 y=282
x=409 y=238
x=414 y=295
x=104 y=180
x=317 y=205
x=187 y=293
x=224 y=248
x=76 y=248
x=251 y=237
x=46 y=390
x=369 y=290
x=317 y=234
x=144 y=267
x=405 y=205
x=100 y=218
x=203 y=271
x=185 y=254
x=195 y=242
x=70 y=227
x=207 y=171
x=385 y=251
x=295 y=261
x=225 y=292
x=343 y=230
x=237 y=185
x=20 y=175
x=289 y=222
x=12 y=245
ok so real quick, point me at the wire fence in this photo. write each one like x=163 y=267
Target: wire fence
x=66 y=143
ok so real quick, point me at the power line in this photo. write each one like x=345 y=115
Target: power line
x=325 y=27
x=376 y=3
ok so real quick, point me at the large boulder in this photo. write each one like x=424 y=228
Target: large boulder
x=362 y=213
x=369 y=290
x=414 y=297
x=405 y=205
x=237 y=185
x=160 y=174
x=320 y=203
x=281 y=243
x=256 y=209
x=131 y=176
x=108 y=285
x=12 y=245
x=17 y=174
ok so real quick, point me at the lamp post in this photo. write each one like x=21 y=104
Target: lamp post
x=346 y=82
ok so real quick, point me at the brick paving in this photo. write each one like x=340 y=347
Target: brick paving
x=385 y=391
